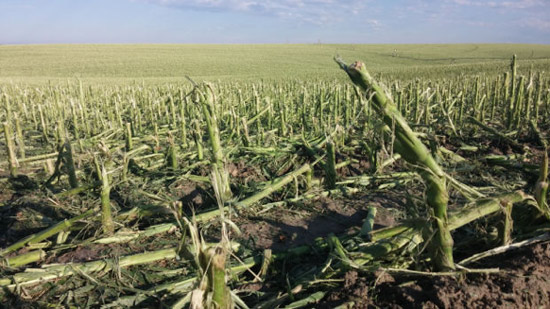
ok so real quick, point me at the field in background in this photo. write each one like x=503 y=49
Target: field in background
x=157 y=64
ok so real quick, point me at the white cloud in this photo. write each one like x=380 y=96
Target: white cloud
x=517 y=4
x=537 y=23
x=311 y=11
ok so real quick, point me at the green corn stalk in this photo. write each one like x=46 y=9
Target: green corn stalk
x=415 y=152
x=217 y=160
x=156 y=137
x=34 y=119
x=45 y=234
x=368 y=225
x=128 y=137
x=476 y=96
x=506 y=88
x=416 y=108
x=495 y=97
x=43 y=124
x=541 y=188
x=23 y=259
x=220 y=292
x=75 y=121
x=84 y=112
x=512 y=97
x=507 y=225
x=528 y=99
x=8 y=108
x=20 y=141
x=69 y=163
x=304 y=111
x=106 y=217
x=197 y=137
x=309 y=179
x=183 y=123
x=171 y=154
x=258 y=122
x=536 y=100
x=399 y=99
x=282 y=122
x=461 y=109
x=518 y=106
x=245 y=136
x=330 y=167
x=11 y=149
x=104 y=178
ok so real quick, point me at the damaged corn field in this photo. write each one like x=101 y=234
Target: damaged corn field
x=359 y=190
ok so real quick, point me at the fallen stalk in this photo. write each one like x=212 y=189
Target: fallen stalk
x=409 y=146
x=515 y=145
x=47 y=273
x=502 y=249
x=36 y=238
x=481 y=208
x=275 y=185
x=23 y=259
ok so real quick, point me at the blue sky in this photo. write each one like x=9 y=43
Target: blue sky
x=271 y=21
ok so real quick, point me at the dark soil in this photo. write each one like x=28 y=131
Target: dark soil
x=523 y=282
x=284 y=228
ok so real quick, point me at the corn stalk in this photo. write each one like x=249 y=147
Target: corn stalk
x=218 y=161
x=415 y=152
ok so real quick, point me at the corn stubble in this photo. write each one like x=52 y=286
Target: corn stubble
x=116 y=158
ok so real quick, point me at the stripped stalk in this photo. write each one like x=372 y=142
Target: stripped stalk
x=220 y=292
x=415 y=152
x=36 y=238
x=541 y=188
x=330 y=167
x=23 y=259
x=274 y=186
x=217 y=160
x=506 y=231
x=368 y=225
x=20 y=141
x=171 y=154
x=128 y=137
x=56 y=272
x=197 y=137
x=11 y=149
x=518 y=106
x=106 y=216
x=512 y=93
x=69 y=163
x=515 y=145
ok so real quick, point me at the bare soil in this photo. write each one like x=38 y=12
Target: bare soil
x=523 y=282
x=284 y=228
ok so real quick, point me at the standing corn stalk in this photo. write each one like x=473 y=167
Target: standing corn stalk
x=212 y=290
x=106 y=216
x=105 y=178
x=330 y=167
x=218 y=161
x=541 y=188
x=11 y=149
x=416 y=153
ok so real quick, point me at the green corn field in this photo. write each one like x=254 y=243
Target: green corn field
x=183 y=180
